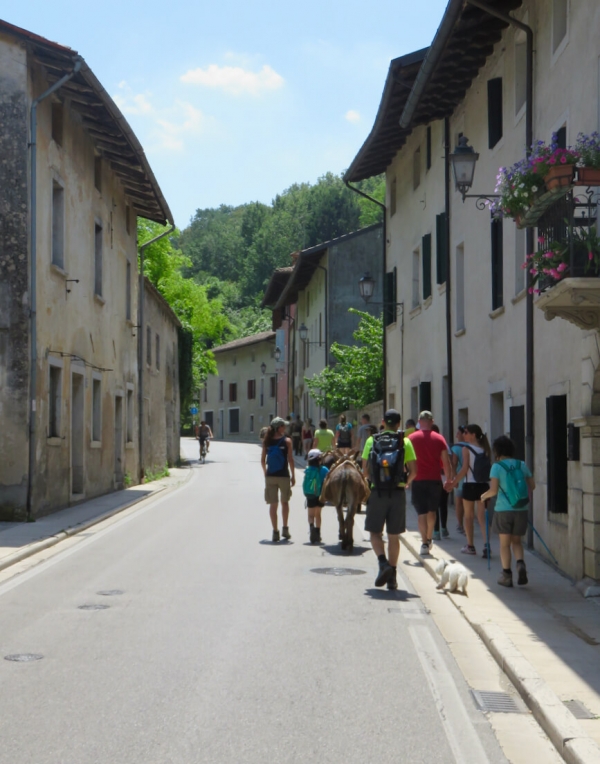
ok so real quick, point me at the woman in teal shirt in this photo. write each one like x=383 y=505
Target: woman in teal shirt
x=509 y=523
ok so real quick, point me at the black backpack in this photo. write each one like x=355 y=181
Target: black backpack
x=386 y=461
x=481 y=466
x=344 y=436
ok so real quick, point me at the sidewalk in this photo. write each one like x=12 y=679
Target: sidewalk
x=545 y=636
x=21 y=540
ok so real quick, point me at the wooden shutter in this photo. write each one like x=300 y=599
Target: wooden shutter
x=517 y=430
x=426 y=250
x=556 y=453
x=494 y=111
x=390 y=298
x=441 y=248
x=497 y=263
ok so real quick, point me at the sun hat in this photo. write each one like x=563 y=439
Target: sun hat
x=314 y=453
x=277 y=422
x=426 y=415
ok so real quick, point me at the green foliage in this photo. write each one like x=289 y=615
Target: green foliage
x=356 y=378
x=370 y=212
x=150 y=476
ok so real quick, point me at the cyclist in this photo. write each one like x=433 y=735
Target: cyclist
x=204 y=435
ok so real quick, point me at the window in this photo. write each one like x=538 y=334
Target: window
x=57 y=122
x=426 y=248
x=517 y=430
x=272 y=386
x=520 y=71
x=425 y=396
x=262 y=393
x=129 y=415
x=417 y=168
x=559 y=22
x=415 y=278
x=520 y=272
x=149 y=346
x=392 y=400
x=127 y=218
x=234 y=420
x=251 y=389
x=460 y=287
x=98 y=260
x=233 y=392
x=393 y=197
x=96 y=410
x=556 y=453
x=128 y=291
x=463 y=417
x=58 y=224
x=428 y=148
x=390 y=298
x=221 y=391
x=561 y=137
x=157 y=353
x=496 y=415
x=414 y=403
x=251 y=422
x=441 y=248
x=497 y=263
x=98 y=173
x=494 y=111
x=54 y=402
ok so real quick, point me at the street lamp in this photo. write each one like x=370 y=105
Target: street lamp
x=263 y=368
x=277 y=355
x=367 y=286
x=463 y=160
x=303 y=332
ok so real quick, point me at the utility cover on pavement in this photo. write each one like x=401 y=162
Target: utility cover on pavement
x=578 y=710
x=111 y=592
x=498 y=702
x=338 y=571
x=93 y=607
x=23 y=657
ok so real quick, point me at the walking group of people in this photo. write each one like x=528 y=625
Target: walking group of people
x=418 y=459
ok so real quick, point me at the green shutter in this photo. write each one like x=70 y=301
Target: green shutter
x=426 y=250
x=441 y=249
x=389 y=298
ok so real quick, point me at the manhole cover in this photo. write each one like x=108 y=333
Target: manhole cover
x=111 y=592
x=23 y=657
x=578 y=710
x=339 y=571
x=92 y=607
x=498 y=702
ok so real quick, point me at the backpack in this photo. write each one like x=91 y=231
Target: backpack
x=517 y=491
x=313 y=482
x=481 y=466
x=276 y=457
x=344 y=435
x=386 y=460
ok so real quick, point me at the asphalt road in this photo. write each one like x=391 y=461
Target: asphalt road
x=223 y=648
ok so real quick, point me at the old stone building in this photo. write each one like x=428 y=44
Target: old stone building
x=73 y=178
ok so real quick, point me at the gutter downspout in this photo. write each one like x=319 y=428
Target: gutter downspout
x=141 y=330
x=529 y=352
x=384 y=265
x=322 y=268
x=33 y=276
x=448 y=279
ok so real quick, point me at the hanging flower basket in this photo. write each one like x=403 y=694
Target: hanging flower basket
x=559 y=176
x=588 y=176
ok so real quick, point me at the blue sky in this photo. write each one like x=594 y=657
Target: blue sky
x=233 y=102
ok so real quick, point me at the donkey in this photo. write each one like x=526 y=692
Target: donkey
x=345 y=487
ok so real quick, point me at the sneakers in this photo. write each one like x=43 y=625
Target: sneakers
x=460 y=529
x=392 y=583
x=386 y=572
x=285 y=532
x=522 y=571
x=275 y=536
x=505 y=579
x=436 y=536
x=425 y=547
x=467 y=549
x=445 y=533
x=487 y=552
x=314 y=535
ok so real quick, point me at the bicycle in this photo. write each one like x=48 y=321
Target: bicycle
x=203 y=450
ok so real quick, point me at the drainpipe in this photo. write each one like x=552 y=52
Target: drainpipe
x=384 y=269
x=448 y=279
x=33 y=275
x=529 y=352
x=141 y=333
x=326 y=321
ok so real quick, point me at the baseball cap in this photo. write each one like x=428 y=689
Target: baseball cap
x=392 y=416
x=426 y=415
x=314 y=453
x=277 y=422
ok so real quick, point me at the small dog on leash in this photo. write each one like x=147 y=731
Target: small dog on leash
x=454 y=573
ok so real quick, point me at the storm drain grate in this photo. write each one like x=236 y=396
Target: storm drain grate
x=338 y=571
x=578 y=710
x=23 y=657
x=111 y=592
x=497 y=702
x=93 y=607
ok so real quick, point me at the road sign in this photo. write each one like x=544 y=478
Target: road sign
x=193 y=410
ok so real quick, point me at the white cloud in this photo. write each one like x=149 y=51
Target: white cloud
x=235 y=79
x=352 y=116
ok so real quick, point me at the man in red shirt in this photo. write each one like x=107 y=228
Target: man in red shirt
x=432 y=455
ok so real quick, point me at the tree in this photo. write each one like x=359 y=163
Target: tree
x=356 y=379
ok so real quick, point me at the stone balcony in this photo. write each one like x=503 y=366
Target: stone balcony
x=575 y=299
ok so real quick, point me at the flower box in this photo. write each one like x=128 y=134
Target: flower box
x=588 y=176
x=559 y=176
x=529 y=218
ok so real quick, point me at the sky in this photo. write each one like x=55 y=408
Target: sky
x=234 y=101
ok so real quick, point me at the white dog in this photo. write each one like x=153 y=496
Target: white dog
x=452 y=572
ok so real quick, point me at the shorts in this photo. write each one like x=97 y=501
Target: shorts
x=386 y=509
x=473 y=491
x=513 y=522
x=426 y=495
x=275 y=486
x=313 y=501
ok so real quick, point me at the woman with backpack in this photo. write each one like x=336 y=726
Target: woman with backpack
x=343 y=435
x=314 y=477
x=511 y=482
x=277 y=461
x=475 y=470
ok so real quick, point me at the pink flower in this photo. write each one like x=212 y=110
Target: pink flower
x=590 y=255
x=563 y=159
x=549 y=254
x=562 y=267
x=533 y=271
x=554 y=273
x=524 y=266
x=552 y=161
x=540 y=239
x=530 y=290
x=537 y=291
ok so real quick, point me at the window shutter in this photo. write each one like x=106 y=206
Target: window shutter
x=517 y=430
x=441 y=248
x=556 y=453
x=389 y=298
x=425 y=396
x=426 y=249
x=497 y=264
x=494 y=111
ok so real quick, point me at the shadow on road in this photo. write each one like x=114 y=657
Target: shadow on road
x=383 y=594
x=336 y=550
x=283 y=542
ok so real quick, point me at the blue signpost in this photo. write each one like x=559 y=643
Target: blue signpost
x=193 y=410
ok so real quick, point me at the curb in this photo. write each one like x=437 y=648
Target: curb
x=558 y=722
x=39 y=546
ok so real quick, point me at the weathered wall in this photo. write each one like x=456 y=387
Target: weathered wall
x=14 y=324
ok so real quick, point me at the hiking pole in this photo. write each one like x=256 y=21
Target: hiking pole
x=554 y=560
x=487 y=535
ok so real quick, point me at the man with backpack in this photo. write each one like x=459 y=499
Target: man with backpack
x=277 y=462
x=314 y=477
x=389 y=464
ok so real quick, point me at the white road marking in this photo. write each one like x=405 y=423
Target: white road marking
x=462 y=738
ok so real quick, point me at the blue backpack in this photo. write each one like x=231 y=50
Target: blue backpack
x=276 y=457
x=517 y=490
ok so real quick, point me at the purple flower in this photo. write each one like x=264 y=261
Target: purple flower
x=590 y=255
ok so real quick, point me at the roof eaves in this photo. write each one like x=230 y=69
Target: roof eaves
x=253 y=339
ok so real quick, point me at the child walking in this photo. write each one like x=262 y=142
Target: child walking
x=314 y=476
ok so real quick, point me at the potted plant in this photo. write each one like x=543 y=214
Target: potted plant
x=555 y=165
x=588 y=170
x=549 y=265
x=517 y=186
